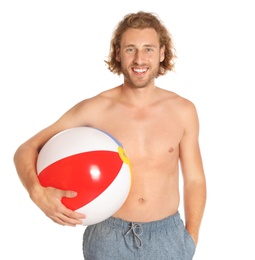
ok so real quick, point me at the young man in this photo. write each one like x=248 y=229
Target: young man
x=158 y=129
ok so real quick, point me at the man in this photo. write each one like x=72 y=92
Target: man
x=159 y=129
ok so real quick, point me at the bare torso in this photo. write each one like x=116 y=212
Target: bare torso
x=151 y=136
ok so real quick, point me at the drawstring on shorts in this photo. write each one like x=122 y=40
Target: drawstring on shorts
x=137 y=230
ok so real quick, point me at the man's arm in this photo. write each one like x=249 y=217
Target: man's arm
x=47 y=199
x=193 y=174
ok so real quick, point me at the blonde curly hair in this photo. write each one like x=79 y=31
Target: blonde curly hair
x=142 y=20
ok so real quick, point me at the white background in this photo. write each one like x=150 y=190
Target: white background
x=51 y=57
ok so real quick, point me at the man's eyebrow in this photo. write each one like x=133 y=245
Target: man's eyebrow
x=145 y=45
x=129 y=45
x=150 y=45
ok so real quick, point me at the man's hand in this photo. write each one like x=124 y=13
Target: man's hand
x=49 y=201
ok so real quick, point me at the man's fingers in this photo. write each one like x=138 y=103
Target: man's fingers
x=70 y=194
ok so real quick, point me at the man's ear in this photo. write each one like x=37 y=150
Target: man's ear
x=117 y=55
x=162 y=53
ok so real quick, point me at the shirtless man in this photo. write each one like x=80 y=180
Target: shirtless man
x=158 y=129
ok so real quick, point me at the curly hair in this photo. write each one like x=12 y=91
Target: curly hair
x=142 y=20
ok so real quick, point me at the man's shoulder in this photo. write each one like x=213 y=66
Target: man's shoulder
x=176 y=99
x=101 y=100
x=106 y=95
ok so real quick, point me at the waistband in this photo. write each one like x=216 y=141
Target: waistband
x=153 y=225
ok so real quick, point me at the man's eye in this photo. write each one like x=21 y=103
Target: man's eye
x=130 y=50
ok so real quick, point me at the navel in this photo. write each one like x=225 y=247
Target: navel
x=141 y=200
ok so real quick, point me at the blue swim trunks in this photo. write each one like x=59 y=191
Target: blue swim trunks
x=116 y=239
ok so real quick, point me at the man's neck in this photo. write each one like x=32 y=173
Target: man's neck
x=139 y=97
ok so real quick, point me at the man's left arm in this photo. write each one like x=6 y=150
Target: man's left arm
x=193 y=175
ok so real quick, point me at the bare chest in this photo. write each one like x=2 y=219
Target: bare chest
x=144 y=134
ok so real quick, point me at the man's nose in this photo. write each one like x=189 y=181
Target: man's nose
x=138 y=57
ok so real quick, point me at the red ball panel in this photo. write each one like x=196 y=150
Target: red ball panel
x=89 y=174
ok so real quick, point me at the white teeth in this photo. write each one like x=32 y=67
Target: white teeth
x=139 y=70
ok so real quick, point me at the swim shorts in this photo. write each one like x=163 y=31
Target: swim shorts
x=116 y=239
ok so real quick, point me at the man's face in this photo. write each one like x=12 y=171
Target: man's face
x=140 y=55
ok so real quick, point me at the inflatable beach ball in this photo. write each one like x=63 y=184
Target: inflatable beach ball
x=90 y=162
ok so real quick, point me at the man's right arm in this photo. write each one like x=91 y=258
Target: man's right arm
x=47 y=199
